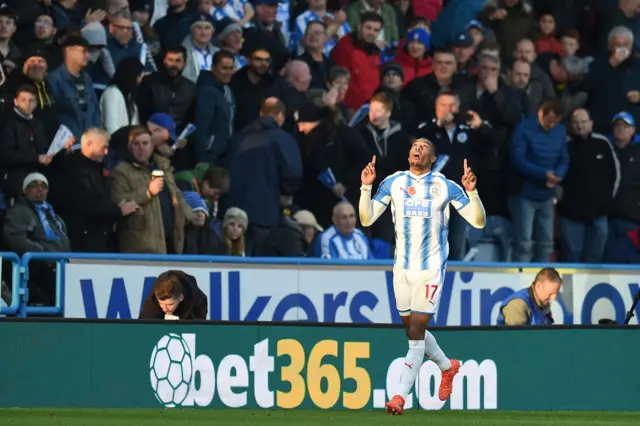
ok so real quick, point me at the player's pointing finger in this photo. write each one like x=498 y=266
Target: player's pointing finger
x=466 y=167
x=373 y=160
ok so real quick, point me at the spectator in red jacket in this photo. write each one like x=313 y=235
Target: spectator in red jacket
x=359 y=53
x=548 y=42
x=414 y=57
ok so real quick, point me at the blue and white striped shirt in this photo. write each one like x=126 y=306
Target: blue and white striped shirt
x=334 y=245
x=420 y=210
x=300 y=26
x=233 y=9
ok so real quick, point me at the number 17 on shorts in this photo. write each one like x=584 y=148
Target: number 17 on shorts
x=417 y=291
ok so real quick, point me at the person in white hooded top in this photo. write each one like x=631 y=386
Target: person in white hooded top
x=118 y=102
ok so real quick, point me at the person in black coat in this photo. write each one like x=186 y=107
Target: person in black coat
x=327 y=144
x=500 y=108
x=81 y=195
x=457 y=137
x=175 y=295
x=166 y=90
x=423 y=91
x=588 y=191
x=23 y=144
x=390 y=144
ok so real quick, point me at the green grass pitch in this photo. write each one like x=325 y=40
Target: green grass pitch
x=223 y=417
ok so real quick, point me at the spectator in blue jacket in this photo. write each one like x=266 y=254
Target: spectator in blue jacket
x=215 y=109
x=121 y=43
x=343 y=240
x=265 y=170
x=72 y=89
x=540 y=158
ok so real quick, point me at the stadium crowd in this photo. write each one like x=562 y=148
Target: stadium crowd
x=240 y=128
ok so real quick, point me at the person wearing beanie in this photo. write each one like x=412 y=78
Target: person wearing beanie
x=101 y=66
x=164 y=138
x=31 y=225
x=234 y=226
x=34 y=71
x=229 y=38
x=200 y=236
x=73 y=90
x=414 y=56
x=199 y=47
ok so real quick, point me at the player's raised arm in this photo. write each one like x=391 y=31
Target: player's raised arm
x=370 y=210
x=470 y=207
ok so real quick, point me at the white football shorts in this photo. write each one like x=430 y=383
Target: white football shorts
x=417 y=291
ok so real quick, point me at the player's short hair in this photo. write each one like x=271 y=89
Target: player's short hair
x=548 y=274
x=384 y=99
x=428 y=142
x=169 y=288
x=555 y=106
x=272 y=107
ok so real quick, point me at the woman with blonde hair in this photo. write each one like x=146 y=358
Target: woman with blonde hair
x=234 y=227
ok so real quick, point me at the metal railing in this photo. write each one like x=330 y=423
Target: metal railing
x=20 y=272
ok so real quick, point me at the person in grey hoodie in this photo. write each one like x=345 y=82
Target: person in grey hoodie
x=101 y=67
x=199 y=48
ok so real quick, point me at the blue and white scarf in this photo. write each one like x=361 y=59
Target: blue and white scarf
x=42 y=209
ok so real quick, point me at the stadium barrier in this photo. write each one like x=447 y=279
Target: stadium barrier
x=113 y=286
x=18 y=290
x=137 y=364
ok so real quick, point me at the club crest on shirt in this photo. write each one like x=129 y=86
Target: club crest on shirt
x=411 y=191
x=462 y=137
x=434 y=189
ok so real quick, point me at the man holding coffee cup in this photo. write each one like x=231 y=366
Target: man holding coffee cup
x=147 y=178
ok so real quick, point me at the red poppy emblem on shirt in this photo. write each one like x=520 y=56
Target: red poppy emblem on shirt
x=411 y=190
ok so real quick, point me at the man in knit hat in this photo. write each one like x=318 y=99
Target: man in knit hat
x=229 y=36
x=199 y=47
x=34 y=71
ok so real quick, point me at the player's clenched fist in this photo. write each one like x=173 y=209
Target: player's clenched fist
x=368 y=175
